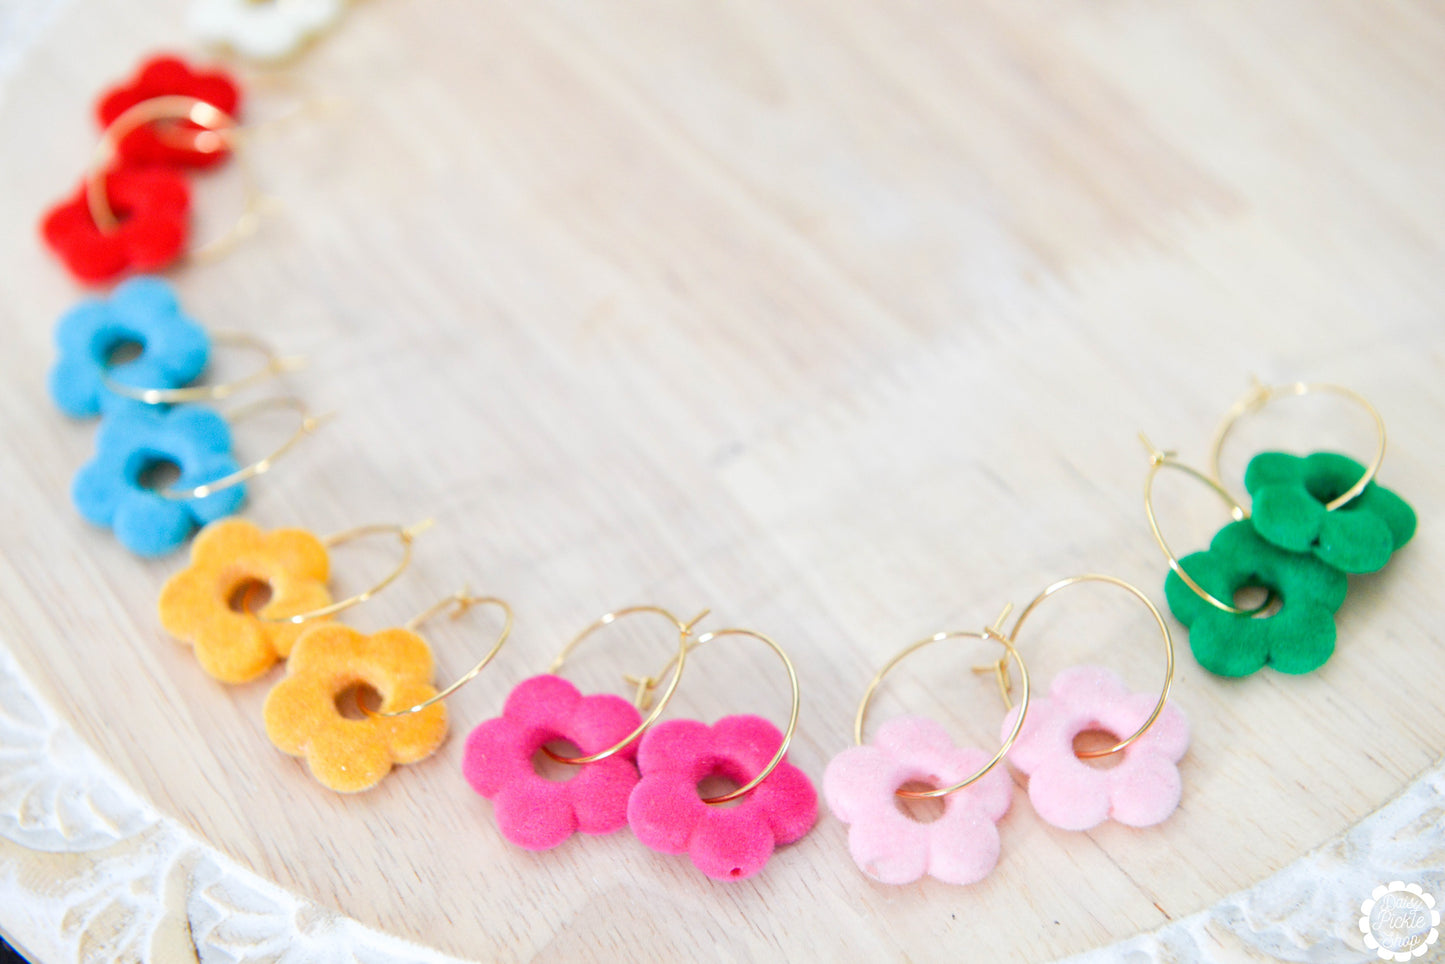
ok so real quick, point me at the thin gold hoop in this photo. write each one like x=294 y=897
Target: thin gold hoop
x=1010 y=652
x=219 y=132
x=1138 y=594
x=683 y=631
x=405 y=534
x=274 y=364
x=1261 y=395
x=309 y=424
x=1170 y=460
x=460 y=601
x=646 y=685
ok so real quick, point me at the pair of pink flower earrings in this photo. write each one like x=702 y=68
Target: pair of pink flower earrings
x=1038 y=736
x=630 y=772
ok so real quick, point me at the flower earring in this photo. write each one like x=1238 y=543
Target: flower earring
x=169 y=352
x=777 y=803
x=862 y=783
x=330 y=666
x=248 y=595
x=536 y=813
x=1144 y=787
x=1315 y=519
x=119 y=487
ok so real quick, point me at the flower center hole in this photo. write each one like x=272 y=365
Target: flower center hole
x=925 y=810
x=250 y=596
x=1255 y=597
x=158 y=474
x=717 y=784
x=550 y=769
x=350 y=701
x=125 y=350
x=1325 y=490
x=1091 y=741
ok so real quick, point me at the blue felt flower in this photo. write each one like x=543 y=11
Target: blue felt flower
x=109 y=490
x=143 y=311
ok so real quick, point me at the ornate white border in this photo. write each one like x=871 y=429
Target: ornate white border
x=88 y=871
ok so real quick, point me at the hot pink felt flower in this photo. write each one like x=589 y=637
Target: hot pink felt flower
x=1141 y=790
x=532 y=811
x=960 y=847
x=667 y=814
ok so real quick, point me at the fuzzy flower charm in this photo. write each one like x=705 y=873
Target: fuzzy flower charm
x=109 y=490
x=1298 y=638
x=153 y=205
x=725 y=842
x=1141 y=790
x=198 y=605
x=142 y=312
x=960 y=847
x=262 y=29
x=1290 y=494
x=536 y=813
x=167 y=76
x=349 y=755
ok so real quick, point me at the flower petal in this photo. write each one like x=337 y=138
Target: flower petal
x=859 y=783
x=600 y=792
x=750 y=741
x=495 y=756
x=1229 y=645
x=677 y=746
x=599 y=721
x=150 y=525
x=1144 y=789
x=541 y=701
x=535 y=814
x=1084 y=688
x=1069 y=794
x=1288 y=516
x=663 y=810
x=903 y=736
x=731 y=844
x=1273 y=468
x=1355 y=541
x=788 y=802
x=891 y=848
x=963 y=844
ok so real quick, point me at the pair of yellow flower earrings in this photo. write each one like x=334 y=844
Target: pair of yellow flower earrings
x=250 y=599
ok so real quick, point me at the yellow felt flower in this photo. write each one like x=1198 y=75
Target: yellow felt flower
x=349 y=755
x=230 y=559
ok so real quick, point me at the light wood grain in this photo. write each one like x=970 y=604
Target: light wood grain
x=837 y=318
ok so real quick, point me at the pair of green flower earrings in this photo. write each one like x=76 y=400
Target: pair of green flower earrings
x=1313 y=521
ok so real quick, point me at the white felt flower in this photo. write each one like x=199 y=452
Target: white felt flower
x=262 y=29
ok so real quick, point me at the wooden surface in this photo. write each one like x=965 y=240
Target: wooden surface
x=837 y=318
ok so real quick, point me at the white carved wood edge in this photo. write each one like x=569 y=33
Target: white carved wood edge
x=89 y=871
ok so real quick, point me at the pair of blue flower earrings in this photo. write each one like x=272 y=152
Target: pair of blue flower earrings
x=133 y=360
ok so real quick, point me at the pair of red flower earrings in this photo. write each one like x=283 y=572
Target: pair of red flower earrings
x=132 y=210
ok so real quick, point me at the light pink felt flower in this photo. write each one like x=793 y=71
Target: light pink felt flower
x=667 y=814
x=1142 y=790
x=532 y=811
x=960 y=847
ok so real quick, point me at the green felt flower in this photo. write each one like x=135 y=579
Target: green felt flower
x=1297 y=638
x=1290 y=494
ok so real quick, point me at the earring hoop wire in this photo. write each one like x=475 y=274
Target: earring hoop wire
x=405 y=534
x=461 y=601
x=309 y=424
x=607 y=619
x=1138 y=594
x=274 y=364
x=1170 y=460
x=1010 y=652
x=792 y=727
x=1261 y=395
x=219 y=132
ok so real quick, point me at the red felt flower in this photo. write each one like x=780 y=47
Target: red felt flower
x=161 y=77
x=152 y=205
